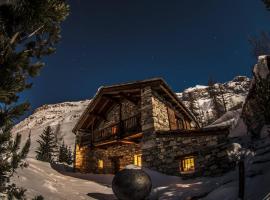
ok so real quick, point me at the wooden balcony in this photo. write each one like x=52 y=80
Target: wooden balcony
x=119 y=130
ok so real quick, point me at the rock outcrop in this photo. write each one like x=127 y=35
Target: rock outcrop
x=256 y=110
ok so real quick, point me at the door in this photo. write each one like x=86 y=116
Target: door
x=115 y=164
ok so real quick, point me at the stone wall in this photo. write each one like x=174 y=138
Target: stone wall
x=81 y=161
x=155 y=112
x=89 y=158
x=147 y=121
x=163 y=152
x=160 y=113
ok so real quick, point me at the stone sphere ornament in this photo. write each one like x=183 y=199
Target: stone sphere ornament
x=131 y=184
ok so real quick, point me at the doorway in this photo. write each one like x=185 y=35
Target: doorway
x=115 y=164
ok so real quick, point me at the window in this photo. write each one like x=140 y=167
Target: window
x=187 y=165
x=114 y=130
x=100 y=164
x=138 y=160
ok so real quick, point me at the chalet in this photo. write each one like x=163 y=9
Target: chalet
x=144 y=123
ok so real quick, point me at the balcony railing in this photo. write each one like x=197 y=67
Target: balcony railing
x=118 y=130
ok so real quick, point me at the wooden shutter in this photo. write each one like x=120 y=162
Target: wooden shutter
x=188 y=125
x=172 y=119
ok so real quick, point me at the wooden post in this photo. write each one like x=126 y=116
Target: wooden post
x=92 y=135
x=121 y=122
x=241 y=167
x=74 y=155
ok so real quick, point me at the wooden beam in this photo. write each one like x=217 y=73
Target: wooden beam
x=129 y=98
x=136 y=135
x=103 y=106
x=101 y=116
x=104 y=143
x=109 y=97
x=127 y=142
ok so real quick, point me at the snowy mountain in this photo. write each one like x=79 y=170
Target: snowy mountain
x=63 y=116
x=234 y=94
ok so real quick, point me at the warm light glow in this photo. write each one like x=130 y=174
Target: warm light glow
x=114 y=130
x=187 y=164
x=100 y=164
x=138 y=160
x=79 y=157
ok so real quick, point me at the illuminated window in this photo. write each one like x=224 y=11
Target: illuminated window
x=138 y=160
x=187 y=165
x=100 y=164
x=114 y=130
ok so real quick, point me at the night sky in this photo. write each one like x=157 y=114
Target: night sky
x=184 y=41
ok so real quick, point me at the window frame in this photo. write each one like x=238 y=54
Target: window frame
x=100 y=164
x=137 y=160
x=183 y=164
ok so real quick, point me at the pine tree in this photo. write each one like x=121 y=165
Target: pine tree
x=200 y=115
x=192 y=103
x=65 y=154
x=195 y=108
x=213 y=94
x=62 y=156
x=47 y=146
x=69 y=156
x=29 y=30
x=221 y=94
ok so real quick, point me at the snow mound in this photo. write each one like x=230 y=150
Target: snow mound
x=40 y=179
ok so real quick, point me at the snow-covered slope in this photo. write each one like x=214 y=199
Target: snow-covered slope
x=61 y=117
x=235 y=92
x=40 y=179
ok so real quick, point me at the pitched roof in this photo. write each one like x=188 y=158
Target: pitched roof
x=133 y=88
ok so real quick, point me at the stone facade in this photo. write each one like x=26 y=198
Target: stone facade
x=163 y=152
x=160 y=113
x=87 y=158
x=81 y=161
x=147 y=121
x=154 y=109
x=161 y=148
